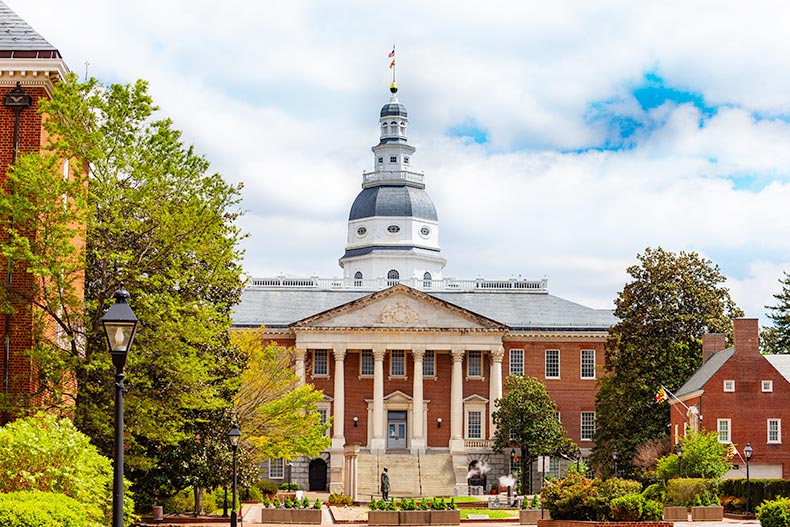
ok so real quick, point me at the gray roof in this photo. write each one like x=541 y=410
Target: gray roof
x=19 y=40
x=781 y=363
x=708 y=369
x=277 y=308
x=350 y=253
x=393 y=108
x=389 y=200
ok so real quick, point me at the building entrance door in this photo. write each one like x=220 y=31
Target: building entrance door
x=396 y=429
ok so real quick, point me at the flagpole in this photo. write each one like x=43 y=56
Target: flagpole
x=674 y=396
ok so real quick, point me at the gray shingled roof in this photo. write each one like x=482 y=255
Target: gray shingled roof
x=708 y=369
x=781 y=363
x=388 y=200
x=277 y=308
x=17 y=37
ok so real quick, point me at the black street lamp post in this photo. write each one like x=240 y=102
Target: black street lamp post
x=234 y=436
x=120 y=326
x=747 y=451
x=679 y=452
x=615 y=457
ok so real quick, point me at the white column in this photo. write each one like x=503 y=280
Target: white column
x=378 y=442
x=495 y=387
x=299 y=366
x=457 y=402
x=339 y=410
x=336 y=455
x=418 y=440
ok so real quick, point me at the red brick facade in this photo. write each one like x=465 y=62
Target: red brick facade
x=736 y=392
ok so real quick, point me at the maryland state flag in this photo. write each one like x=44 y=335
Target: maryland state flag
x=661 y=396
x=732 y=452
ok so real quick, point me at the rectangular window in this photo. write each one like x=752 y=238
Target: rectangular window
x=588 y=426
x=729 y=386
x=366 y=363
x=429 y=364
x=516 y=362
x=320 y=363
x=474 y=425
x=398 y=363
x=393 y=159
x=381 y=160
x=552 y=364
x=775 y=431
x=554 y=467
x=276 y=468
x=588 y=364
x=767 y=386
x=558 y=416
x=324 y=413
x=724 y=428
x=474 y=364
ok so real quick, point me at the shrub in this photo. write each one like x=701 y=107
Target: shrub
x=774 y=513
x=425 y=504
x=290 y=486
x=276 y=503
x=577 y=498
x=266 y=502
x=255 y=494
x=761 y=490
x=652 y=511
x=655 y=492
x=339 y=499
x=317 y=504
x=686 y=492
x=267 y=487
x=408 y=504
x=534 y=503
x=627 y=508
x=41 y=509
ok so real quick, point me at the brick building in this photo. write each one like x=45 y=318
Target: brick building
x=29 y=68
x=411 y=362
x=744 y=396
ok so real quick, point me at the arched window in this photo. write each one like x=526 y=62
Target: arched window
x=393 y=277
x=426 y=280
x=358 y=279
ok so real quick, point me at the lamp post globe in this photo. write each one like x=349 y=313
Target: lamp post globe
x=120 y=327
x=234 y=436
x=615 y=457
x=747 y=451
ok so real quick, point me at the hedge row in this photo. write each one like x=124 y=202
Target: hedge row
x=733 y=492
x=41 y=509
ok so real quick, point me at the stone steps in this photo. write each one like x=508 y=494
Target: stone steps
x=410 y=475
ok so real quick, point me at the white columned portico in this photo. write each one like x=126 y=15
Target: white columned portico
x=378 y=443
x=336 y=452
x=457 y=402
x=418 y=434
x=299 y=365
x=495 y=387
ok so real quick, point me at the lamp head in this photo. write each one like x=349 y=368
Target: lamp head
x=234 y=436
x=747 y=451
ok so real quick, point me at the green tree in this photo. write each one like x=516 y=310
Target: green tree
x=671 y=301
x=776 y=339
x=142 y=211
x=526 y=419
x=278 y=415
x=703 y=457
x=48 y=454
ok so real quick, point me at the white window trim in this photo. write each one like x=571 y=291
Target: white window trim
x=320 y=375
x=432 y=354
x=282 y=467
x=767 y=386
x=728 y=439
x=729 y=386
x=510 y=362
x=546 y=364
x=475 y=406
x=778 y=440
x=481 y=376
x=392 y=356
x=581 y=426
x=366 y=375
x=327 y=406
x=581 y=364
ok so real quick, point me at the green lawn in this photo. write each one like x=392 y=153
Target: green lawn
x=492 y=513
x=471 y=499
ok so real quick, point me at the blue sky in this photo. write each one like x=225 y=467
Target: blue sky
x=557 y=140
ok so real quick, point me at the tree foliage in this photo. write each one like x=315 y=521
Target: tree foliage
x=277 y=413
x=671 y=301
x=776 y=339
x=703 y=457
x=48 y=454
x=526 y=419
x=144 y=212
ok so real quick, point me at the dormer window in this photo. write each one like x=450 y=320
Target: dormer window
x=393 y=159
x=381 y=160
x=393 y=229
x=406 y=159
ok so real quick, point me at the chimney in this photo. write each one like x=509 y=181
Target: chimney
x=712 y=343
x=746 y=336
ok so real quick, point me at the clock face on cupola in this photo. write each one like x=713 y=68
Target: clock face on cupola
x=393 y=228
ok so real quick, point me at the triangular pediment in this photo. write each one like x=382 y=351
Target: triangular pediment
x=397 y=397
x=400 y=307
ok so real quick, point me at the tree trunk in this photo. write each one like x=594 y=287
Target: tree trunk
x=199 y=493
x=526 y=487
